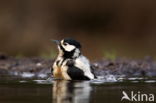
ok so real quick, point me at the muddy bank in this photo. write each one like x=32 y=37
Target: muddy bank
x=25 y=67
x=40 y=68
x=126 y=67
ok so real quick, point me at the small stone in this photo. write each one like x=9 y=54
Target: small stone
x=38 y=64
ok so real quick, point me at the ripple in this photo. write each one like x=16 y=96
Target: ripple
x=42 y=81
x=27 y=75
x=150 y=81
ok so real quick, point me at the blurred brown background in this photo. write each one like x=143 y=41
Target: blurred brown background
x=125 y=28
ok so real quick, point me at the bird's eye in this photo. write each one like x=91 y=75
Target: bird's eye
x=64 y=44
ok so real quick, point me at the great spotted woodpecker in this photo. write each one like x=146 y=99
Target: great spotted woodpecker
x=70 y=64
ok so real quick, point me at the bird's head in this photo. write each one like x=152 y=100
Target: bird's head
x=68 y=48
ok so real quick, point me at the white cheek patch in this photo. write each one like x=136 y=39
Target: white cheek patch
x=69 y=47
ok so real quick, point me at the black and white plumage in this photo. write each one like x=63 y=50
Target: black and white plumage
x=70 y=64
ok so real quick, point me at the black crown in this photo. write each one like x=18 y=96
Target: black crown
x=72 y=42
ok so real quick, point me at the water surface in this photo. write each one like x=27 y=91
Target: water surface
x=59 y=91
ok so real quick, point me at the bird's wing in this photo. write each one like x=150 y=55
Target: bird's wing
x=76 y=73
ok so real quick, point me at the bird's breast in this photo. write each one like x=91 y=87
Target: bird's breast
x=58 y=73
x=61 y=73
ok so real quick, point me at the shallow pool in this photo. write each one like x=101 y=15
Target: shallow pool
x=59 y=91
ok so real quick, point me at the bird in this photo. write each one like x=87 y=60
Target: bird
x=70 y=63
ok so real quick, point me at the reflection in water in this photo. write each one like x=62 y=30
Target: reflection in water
x=39 y=91
x=71 y=92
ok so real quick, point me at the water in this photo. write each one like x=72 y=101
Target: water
x=59 y=91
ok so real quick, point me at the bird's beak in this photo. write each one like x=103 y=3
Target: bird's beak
x=56 y=41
